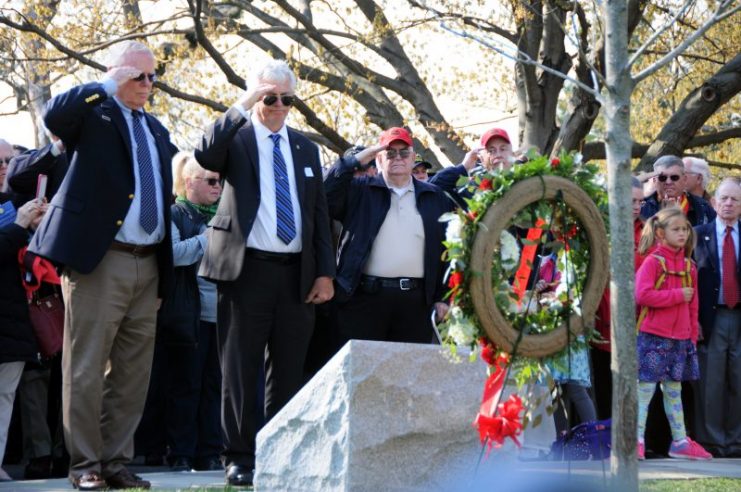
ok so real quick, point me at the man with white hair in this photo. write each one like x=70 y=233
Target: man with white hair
x=698 y=177
x=270 y=251
x=109 y=225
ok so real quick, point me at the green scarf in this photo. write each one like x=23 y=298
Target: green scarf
x=207 y=211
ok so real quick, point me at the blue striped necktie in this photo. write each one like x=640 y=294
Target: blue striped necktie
x=286 y=228
x=148 y=210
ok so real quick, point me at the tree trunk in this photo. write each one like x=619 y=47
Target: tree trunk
x=694 y=111
x=623 y=462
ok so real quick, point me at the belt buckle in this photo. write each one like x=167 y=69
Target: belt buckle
x=405 y=283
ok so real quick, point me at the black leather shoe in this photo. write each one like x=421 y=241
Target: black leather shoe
x=239 y=475
x=88 y=481
x=127 y=480
x=181 y=464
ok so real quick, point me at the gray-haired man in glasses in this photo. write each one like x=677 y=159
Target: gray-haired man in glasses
x=670 y=190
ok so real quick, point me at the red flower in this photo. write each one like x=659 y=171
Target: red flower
x=485 y=184
x=455 y=280
x=487 y=354
x=555 y=162
x=472 y=215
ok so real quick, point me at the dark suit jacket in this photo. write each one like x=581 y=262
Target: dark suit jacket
x=89 y=208
x=708 y=275
x=229 y=147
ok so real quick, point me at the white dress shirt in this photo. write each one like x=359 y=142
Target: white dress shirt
x=264 y=233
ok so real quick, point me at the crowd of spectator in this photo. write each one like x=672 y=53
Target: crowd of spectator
x=202 y=289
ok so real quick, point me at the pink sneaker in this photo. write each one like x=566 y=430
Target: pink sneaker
x=689 y=449
x=641 y=451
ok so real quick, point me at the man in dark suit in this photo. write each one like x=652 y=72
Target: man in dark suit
x=270 y=250
x=109 y=225
x=24 y=169
x=718 y=256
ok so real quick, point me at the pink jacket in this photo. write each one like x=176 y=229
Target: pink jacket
x=668 y=314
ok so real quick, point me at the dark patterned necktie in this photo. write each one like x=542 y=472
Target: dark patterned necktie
x=286 y=228
x=148 y=210
x=730 y=280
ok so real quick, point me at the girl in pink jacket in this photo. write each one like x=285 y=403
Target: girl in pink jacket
x=667 y=339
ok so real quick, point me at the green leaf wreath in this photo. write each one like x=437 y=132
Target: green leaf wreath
x=562 y=236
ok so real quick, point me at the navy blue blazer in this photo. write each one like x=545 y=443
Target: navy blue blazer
x=708 y=274
x=92 y=201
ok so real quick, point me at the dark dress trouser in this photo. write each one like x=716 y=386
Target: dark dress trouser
x=262 y=319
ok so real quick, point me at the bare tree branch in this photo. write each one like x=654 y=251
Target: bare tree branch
x=722 y=12
x=658 y=32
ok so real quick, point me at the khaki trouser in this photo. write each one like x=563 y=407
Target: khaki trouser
x=109 y=329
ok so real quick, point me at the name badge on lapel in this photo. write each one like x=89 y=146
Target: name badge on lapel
x=308 y=172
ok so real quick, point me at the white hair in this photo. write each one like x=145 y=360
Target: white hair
x=118 y=52
x=699 y=166
x=272 y=71
x=730 y=180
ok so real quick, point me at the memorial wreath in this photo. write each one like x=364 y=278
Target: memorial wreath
x=553 y=206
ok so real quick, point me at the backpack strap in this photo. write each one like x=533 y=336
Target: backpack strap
x=657 y=286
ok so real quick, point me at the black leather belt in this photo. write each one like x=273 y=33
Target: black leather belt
x=281 y=258
x=135 y=249
x=400 y=283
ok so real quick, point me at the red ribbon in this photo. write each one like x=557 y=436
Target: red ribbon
x=498 y=421
x=526 y=260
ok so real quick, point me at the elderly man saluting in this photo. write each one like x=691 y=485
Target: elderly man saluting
x=389 y=272
x=270 y=249
x=109 y=225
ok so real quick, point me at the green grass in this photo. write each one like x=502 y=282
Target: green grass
x=693 y=485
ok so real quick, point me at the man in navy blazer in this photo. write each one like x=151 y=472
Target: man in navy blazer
x=269 y=249
x=109 y=226
x=718 y=419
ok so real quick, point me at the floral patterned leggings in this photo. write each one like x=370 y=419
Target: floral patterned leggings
x=672 y=391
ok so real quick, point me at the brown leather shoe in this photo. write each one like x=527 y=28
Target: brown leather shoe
x=88 y=481
x=127 y=480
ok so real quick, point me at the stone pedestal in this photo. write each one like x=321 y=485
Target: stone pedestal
x=378 y=417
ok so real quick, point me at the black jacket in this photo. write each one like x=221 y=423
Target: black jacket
x=361 y=205
x=700 y=211
x=17 y=342
x=24 y=170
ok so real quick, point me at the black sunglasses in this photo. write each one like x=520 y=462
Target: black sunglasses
x=211 y=181
x=151 y=76
x=286 y=100
x=673 y=177
x=403 y=153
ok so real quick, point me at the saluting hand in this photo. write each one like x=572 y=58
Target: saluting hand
x=253 y=94
x=123 y=74
x=368 y=154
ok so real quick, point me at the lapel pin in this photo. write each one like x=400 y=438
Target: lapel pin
x=707 y=238
x=298 y=147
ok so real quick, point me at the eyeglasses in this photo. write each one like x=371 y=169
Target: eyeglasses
x=664 y=177
x=272 y=99
x=140 y=78
x=211 y=181
x=403 y=153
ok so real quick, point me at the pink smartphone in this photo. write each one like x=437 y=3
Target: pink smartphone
x=41 y=186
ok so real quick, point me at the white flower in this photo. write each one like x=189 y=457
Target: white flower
x=460 y=328
x=509 y=251
x=453 y=232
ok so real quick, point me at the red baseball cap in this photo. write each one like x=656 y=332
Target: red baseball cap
x=394 y=134
x=494 y=132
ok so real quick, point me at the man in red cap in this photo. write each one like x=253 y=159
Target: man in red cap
x=493 y=153
x=389 y=272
